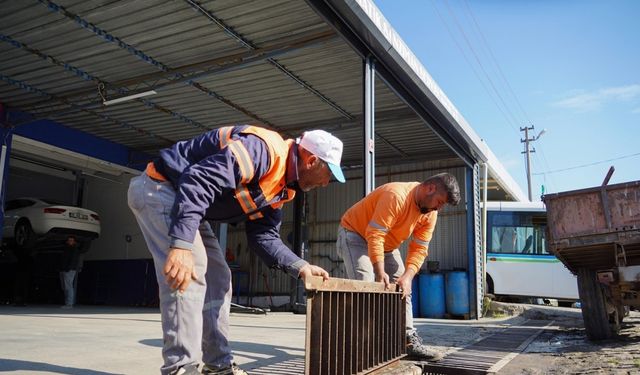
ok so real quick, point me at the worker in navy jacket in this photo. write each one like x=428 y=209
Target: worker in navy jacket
x=232 y=174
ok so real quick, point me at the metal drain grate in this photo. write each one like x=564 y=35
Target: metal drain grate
x=353 y=327
x=488 y=355
x=293 y=366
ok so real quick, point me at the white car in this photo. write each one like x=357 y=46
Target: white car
x=28 y=221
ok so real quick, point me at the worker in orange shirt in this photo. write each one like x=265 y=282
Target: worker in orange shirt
x=371 y=231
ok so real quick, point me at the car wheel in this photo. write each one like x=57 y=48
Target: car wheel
x=24 y=236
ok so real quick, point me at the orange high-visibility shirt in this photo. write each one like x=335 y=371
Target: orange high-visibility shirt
x=387 y=217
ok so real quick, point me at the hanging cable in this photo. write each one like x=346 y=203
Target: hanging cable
x=101 y=90
x=489 y=94
x=477 y=58
x=589 y=165
x=495 y=62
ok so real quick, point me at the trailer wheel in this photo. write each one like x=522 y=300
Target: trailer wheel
x=594 y=306
x=622 y=311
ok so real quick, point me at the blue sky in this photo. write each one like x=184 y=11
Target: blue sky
x=570 y=67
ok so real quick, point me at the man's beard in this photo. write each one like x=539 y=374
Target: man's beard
x=426 y=210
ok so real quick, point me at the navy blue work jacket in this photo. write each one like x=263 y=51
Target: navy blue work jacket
x=205 y=178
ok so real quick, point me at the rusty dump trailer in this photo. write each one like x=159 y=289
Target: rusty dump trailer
x=595 y=232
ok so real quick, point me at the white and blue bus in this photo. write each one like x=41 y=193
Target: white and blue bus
x=518 y=262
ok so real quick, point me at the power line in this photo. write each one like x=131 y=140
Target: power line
x=473 y=51
x=490 y=95
x=495 y=61
x=506 y=95
x=551 y=182
x=541 y=158
x=588 y=165
x=506 y=85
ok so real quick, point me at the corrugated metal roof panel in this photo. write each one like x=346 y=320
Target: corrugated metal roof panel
x=153 y=35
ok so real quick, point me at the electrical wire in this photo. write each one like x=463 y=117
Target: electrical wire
x=541 y=160
x=489 y=94
x=589 y=165
x=477 y=58
x=545 y=163
x=495 y=62
x=506 y=85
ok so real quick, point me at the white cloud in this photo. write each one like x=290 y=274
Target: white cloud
x=588 y=101
x=636 y=110
x=509 y=163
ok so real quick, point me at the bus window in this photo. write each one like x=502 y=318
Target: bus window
x=516 y=233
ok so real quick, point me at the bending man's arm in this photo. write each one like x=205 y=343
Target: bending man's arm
x=264 y=239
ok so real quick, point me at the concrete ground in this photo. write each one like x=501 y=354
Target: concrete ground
x=109 y=340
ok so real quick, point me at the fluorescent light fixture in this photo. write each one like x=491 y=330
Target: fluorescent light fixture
x=129 y=97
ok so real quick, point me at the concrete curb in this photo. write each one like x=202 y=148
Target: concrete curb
x=536 y=312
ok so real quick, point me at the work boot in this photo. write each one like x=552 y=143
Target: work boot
x=187 y=370
x=419 y=351
x=232 y=369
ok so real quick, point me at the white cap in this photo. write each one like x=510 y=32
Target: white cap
x=325 y=146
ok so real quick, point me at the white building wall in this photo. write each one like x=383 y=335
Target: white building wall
x=108 y=197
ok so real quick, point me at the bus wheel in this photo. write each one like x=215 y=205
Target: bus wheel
x=490 y=289
x=594 y=305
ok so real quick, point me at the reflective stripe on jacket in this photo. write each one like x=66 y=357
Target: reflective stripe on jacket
x=233 y=174
x=387 y=217
x=273 y=181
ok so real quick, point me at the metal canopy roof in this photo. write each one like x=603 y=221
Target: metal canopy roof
x=277 y=63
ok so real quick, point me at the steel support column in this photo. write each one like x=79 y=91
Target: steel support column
x=369 y=125
x=6 y=134
x=485 y=177
x=472 y=199
x=298 y=302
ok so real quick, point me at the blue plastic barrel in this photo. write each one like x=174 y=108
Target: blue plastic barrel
x=431 y=295
x=457 y=290
x=415 y=296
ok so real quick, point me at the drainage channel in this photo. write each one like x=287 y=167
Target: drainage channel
x=488 y=355
x=294 y=366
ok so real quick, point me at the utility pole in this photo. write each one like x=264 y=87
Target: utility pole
x=527 y=151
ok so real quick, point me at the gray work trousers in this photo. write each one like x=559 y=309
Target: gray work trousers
x=197 y=320
x=68 y=282
x=352 y=248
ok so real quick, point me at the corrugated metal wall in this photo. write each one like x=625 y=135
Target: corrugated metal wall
x=324 y=210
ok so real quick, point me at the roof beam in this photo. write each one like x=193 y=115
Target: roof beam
x=25 y=86
x=88 y=77
x=387 y=161
x=249 y=45
x=53 y=7
x=342 y=123
x=213 y=66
